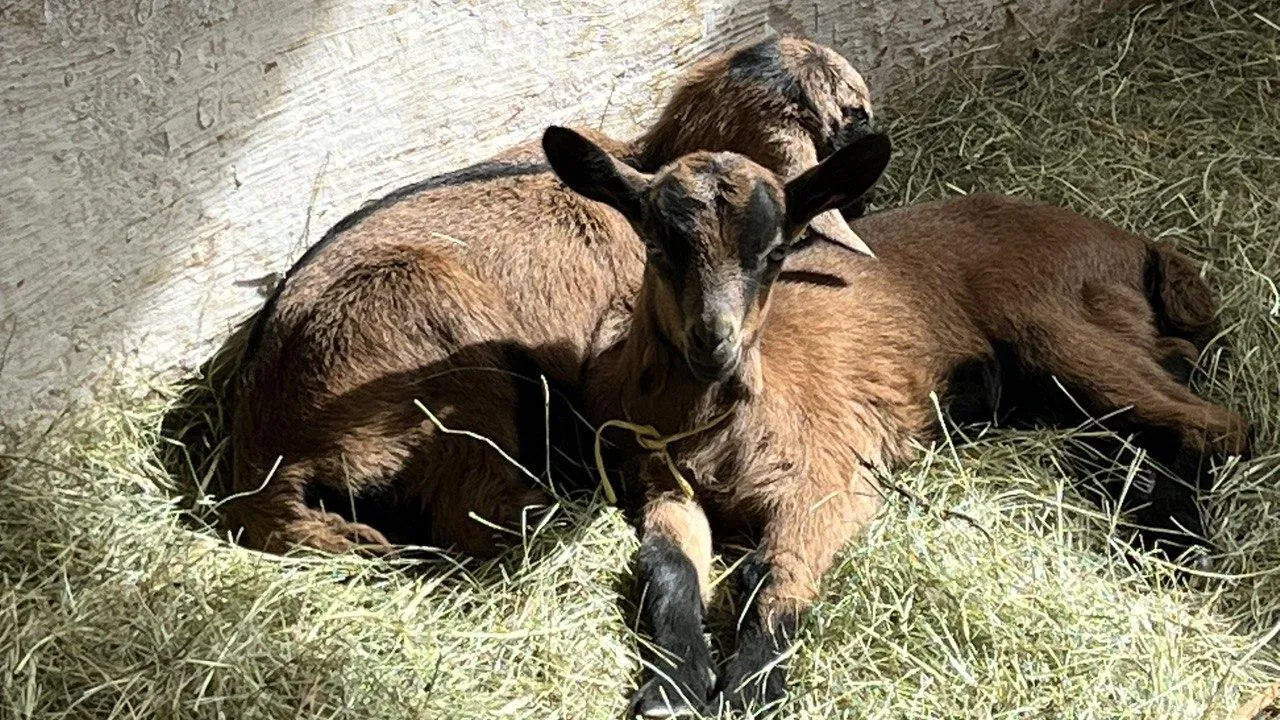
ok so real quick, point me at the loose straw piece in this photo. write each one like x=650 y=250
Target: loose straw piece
x=1254 y=708
x=648 y=438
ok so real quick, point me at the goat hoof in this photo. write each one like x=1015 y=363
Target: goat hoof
x=663 y=698
x=751 y=696
x=1227 y=435
x=1236 y=437
x=331 y=533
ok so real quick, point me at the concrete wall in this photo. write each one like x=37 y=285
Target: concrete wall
x=157 y=156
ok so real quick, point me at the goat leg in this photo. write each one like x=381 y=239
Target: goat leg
x=781 y=583
x=1103 y=364
x=673 y=565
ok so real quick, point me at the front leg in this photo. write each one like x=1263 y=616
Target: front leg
x=673 y=567
x=757 y=673
x=781 y=582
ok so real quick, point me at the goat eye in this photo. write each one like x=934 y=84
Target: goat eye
x=778 y=254
x=858 y=115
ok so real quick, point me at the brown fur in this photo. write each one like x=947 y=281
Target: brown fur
x=767 y=124
x=822 y=402
x=672 y=515
x=850 y=386
x=772 y=128
x=432 y=295
x=750 y=110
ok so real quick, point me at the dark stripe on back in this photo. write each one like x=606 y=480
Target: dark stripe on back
x=480 y=172
x=761 y=64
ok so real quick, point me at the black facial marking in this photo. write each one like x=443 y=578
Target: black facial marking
x=672 y=225
x=761 y=224
x=756 y=674
x=673 y=612
x=480 y=172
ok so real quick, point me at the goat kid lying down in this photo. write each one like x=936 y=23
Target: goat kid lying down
x=459 y=292
x=800 y=374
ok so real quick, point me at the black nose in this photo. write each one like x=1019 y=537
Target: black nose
x=705 y=339
x=713 y=337
x=713 y=348
x=857 y=125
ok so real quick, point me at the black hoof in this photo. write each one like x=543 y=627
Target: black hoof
x=663 y=698
x=1250 y=442
x=1180 y=367
x=756 y=695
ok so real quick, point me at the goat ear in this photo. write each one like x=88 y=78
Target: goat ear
x=837 y=181
x=591 y=172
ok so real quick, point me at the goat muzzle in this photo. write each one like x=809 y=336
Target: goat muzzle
x=714 y=349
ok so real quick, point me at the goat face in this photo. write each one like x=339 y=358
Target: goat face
x=717 y=227
x=836 y=94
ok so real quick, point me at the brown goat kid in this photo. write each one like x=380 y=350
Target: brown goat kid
x=794 y=411
x=458 y=292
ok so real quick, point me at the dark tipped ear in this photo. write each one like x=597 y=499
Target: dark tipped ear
x=591 y=172
x=837 y=181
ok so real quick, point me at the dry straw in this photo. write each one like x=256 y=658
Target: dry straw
x=115 y=603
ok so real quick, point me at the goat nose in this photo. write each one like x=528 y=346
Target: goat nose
x=702 y=337
x=714 y=334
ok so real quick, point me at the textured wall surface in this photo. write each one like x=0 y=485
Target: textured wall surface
x=158 y=156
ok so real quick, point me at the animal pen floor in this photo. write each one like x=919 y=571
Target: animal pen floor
x=989 y=588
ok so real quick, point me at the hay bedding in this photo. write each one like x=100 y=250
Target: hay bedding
x=1166 y=121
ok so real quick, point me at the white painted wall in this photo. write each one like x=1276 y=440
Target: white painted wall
x=155 y=154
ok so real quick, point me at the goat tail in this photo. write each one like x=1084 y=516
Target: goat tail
x=1180 y=299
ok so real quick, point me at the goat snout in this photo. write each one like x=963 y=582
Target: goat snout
x=714 y=347
x=857 y=125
